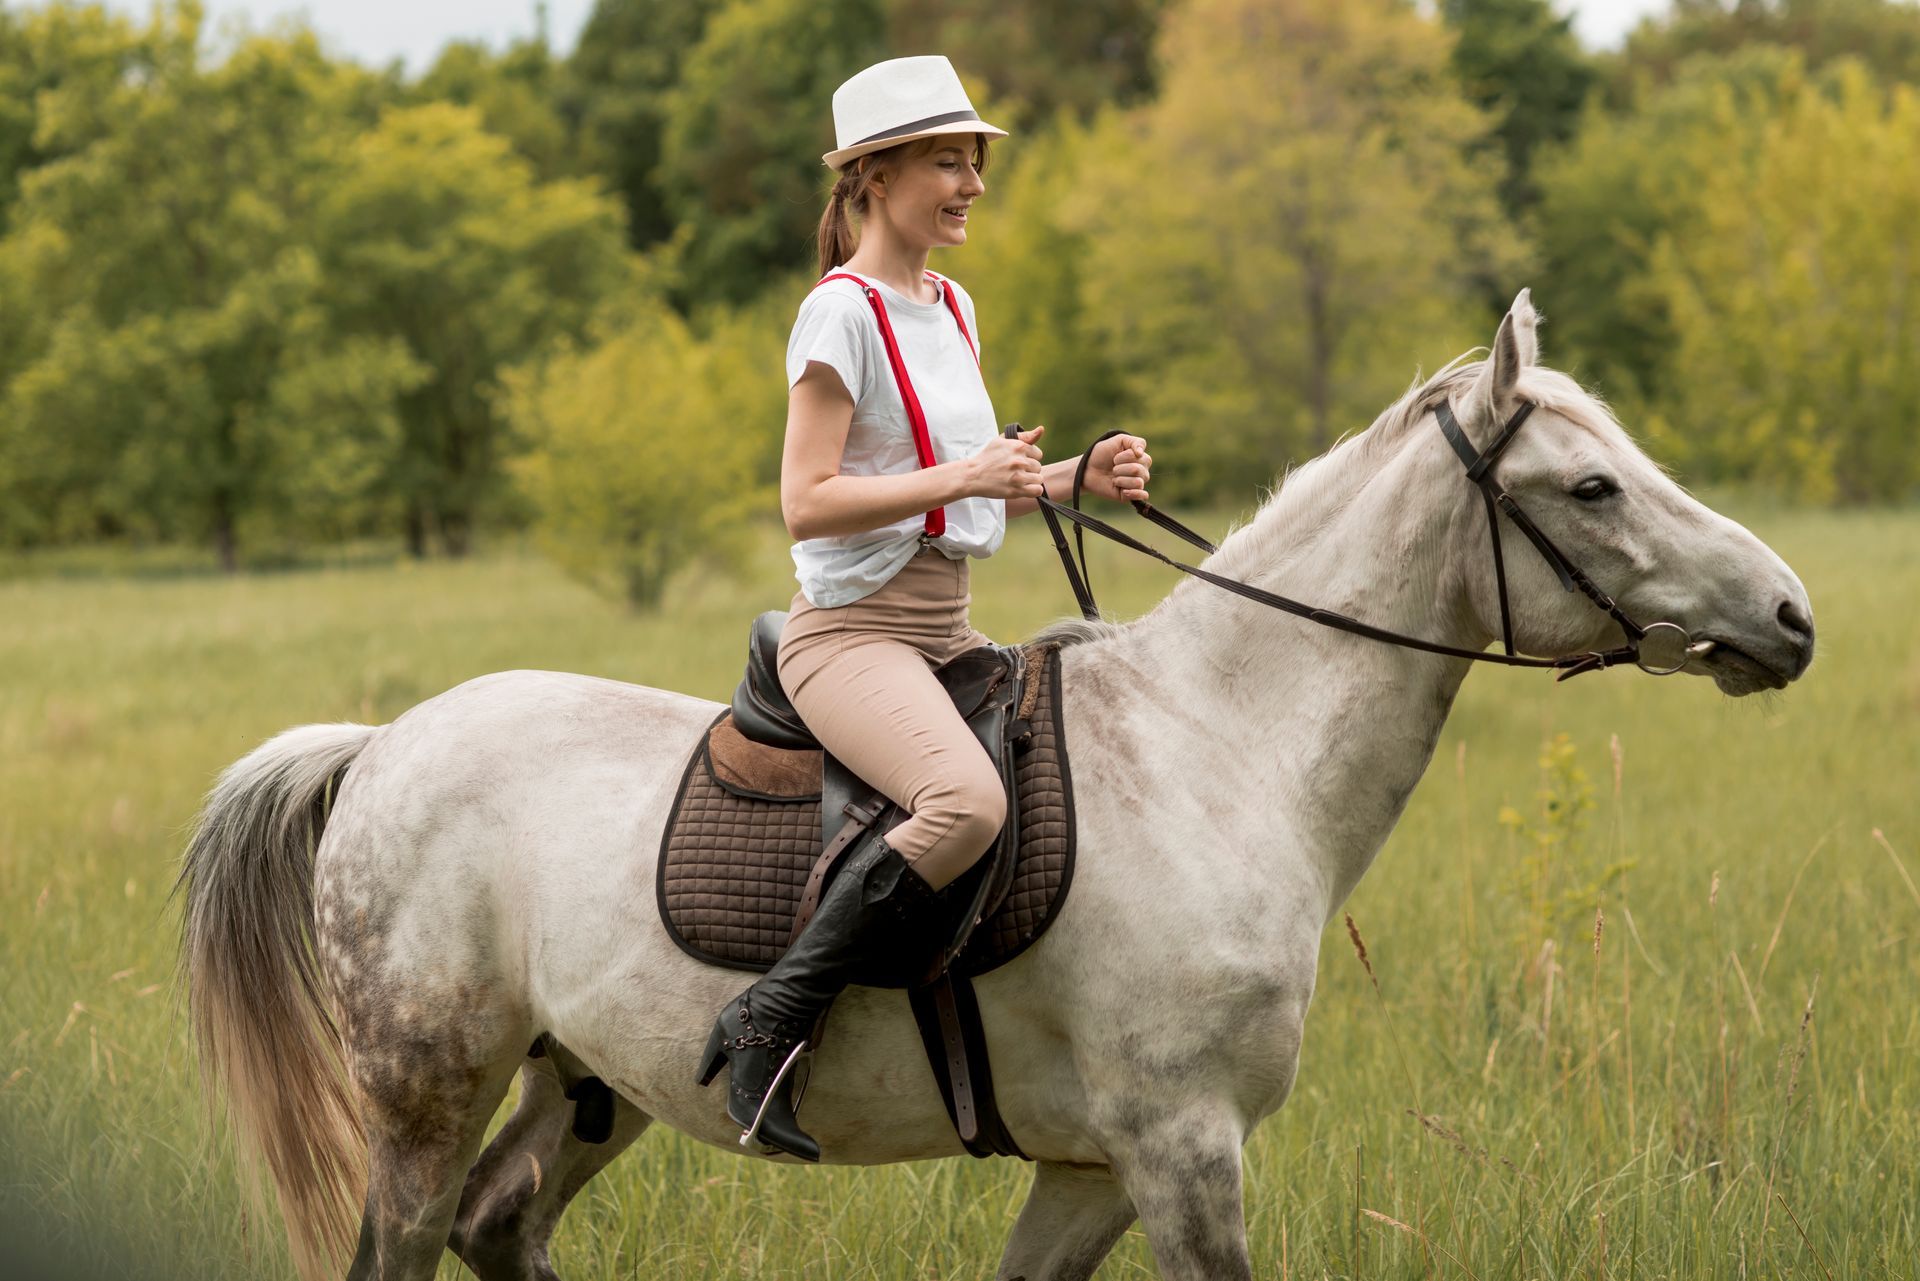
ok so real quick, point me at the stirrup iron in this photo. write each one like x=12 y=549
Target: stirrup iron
x=773 y=1088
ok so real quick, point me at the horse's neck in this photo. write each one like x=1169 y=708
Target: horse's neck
x=1302 y=743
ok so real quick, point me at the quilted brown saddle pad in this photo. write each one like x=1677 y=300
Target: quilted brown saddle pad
x=745 y=832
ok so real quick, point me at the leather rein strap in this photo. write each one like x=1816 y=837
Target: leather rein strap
x=1479 y=470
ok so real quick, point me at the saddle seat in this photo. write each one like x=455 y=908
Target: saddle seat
x=761 y=709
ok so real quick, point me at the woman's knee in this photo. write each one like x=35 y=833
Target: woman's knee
x=975 y=802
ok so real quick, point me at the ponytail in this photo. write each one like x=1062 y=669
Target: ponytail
x=836 y=231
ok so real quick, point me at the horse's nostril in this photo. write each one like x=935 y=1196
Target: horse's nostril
x=1795 y=621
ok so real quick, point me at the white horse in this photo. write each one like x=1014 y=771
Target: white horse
x=367 y=990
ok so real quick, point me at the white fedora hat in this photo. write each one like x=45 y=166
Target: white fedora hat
x=897 y=101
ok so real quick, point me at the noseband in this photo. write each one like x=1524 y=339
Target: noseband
x=1659 y=649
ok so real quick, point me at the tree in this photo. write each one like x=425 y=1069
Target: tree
x=746 y=126
x=162 y=304
x=1795 y=297
x=1884 y=35
x=613 y=95
x=40 y=52
x=515 y=93
x=437 y=239
x=1623 y=181
x=1520 y=62
x=1041 y=57
x=1302 y=214
x=648 y=450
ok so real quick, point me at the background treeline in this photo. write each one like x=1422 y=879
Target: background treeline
x=255 y=297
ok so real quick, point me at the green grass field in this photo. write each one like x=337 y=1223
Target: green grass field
x=1513 y=1102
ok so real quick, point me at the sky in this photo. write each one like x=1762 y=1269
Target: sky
x=378 y=31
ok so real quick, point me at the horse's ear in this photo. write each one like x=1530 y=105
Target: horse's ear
x=1515 y=347
x=1526 y=324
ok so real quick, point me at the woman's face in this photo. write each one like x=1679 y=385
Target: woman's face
x=927 y=200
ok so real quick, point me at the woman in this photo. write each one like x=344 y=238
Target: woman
x=894 y=474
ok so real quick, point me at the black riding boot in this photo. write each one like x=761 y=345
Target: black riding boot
x=876 y=903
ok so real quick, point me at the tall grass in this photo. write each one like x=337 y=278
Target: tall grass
x=1646 y=997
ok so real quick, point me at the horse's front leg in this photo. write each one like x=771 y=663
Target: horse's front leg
x=1181 y=1170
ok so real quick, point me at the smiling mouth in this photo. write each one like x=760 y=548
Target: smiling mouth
x=958 y=215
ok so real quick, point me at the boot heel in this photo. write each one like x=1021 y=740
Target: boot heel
x=716 y=1058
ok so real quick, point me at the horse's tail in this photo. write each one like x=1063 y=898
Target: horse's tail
x=254 y=989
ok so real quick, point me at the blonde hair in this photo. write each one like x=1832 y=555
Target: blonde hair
x=849 y=195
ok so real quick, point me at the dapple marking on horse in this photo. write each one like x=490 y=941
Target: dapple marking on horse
x=485 y=869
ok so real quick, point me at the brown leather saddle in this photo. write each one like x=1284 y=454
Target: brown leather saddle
x=763 y=814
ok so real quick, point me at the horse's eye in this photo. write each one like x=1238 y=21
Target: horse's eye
x=1594 y=488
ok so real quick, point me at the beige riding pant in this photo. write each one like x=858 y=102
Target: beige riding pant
x=861 y=677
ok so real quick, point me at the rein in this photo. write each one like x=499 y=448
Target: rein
x=1670 y=643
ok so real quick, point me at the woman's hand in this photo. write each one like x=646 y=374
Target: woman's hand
x=1009 y=467
x=1120 y=468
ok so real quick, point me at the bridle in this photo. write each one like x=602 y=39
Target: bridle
x=1659 y=649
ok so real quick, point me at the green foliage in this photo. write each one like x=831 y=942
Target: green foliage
x=613 y=94
x=1297 y=218
x=1609 y=195
x=438 y=240
x=1557 y=877
x=42 y=50
x=745 y=126
x=516 y=93
x=1795 y=300
x=1041 y=58
x=1519 y=61
x=1883 y=34
x=647 y=450
x=165 y=301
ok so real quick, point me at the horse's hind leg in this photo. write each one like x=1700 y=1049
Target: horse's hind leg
x=1073 y=1216
x=428 y=1078
x=532 y=1169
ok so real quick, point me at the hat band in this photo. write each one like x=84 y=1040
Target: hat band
x=915 y=126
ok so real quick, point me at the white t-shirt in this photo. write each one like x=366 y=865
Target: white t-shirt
x=836 y=326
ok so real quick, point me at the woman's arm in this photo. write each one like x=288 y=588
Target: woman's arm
x=818 y=502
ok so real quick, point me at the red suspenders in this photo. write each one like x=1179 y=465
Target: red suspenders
x=922 y=441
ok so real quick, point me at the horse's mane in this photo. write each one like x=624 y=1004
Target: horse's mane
x=1305 y=494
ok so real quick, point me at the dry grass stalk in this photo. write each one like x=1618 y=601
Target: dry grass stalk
x=1452 y=1138
x=1798 y=1058
x=1634 y=931
x=1766 y=958
x=1803 y=1236
x=1360 y=950
x=1753 y=1006
x=1421 y=1237
x=1899 y=866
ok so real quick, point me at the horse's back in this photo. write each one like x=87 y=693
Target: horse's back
x=515 y=796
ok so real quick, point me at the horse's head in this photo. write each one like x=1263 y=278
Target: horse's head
x=1663 y=556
